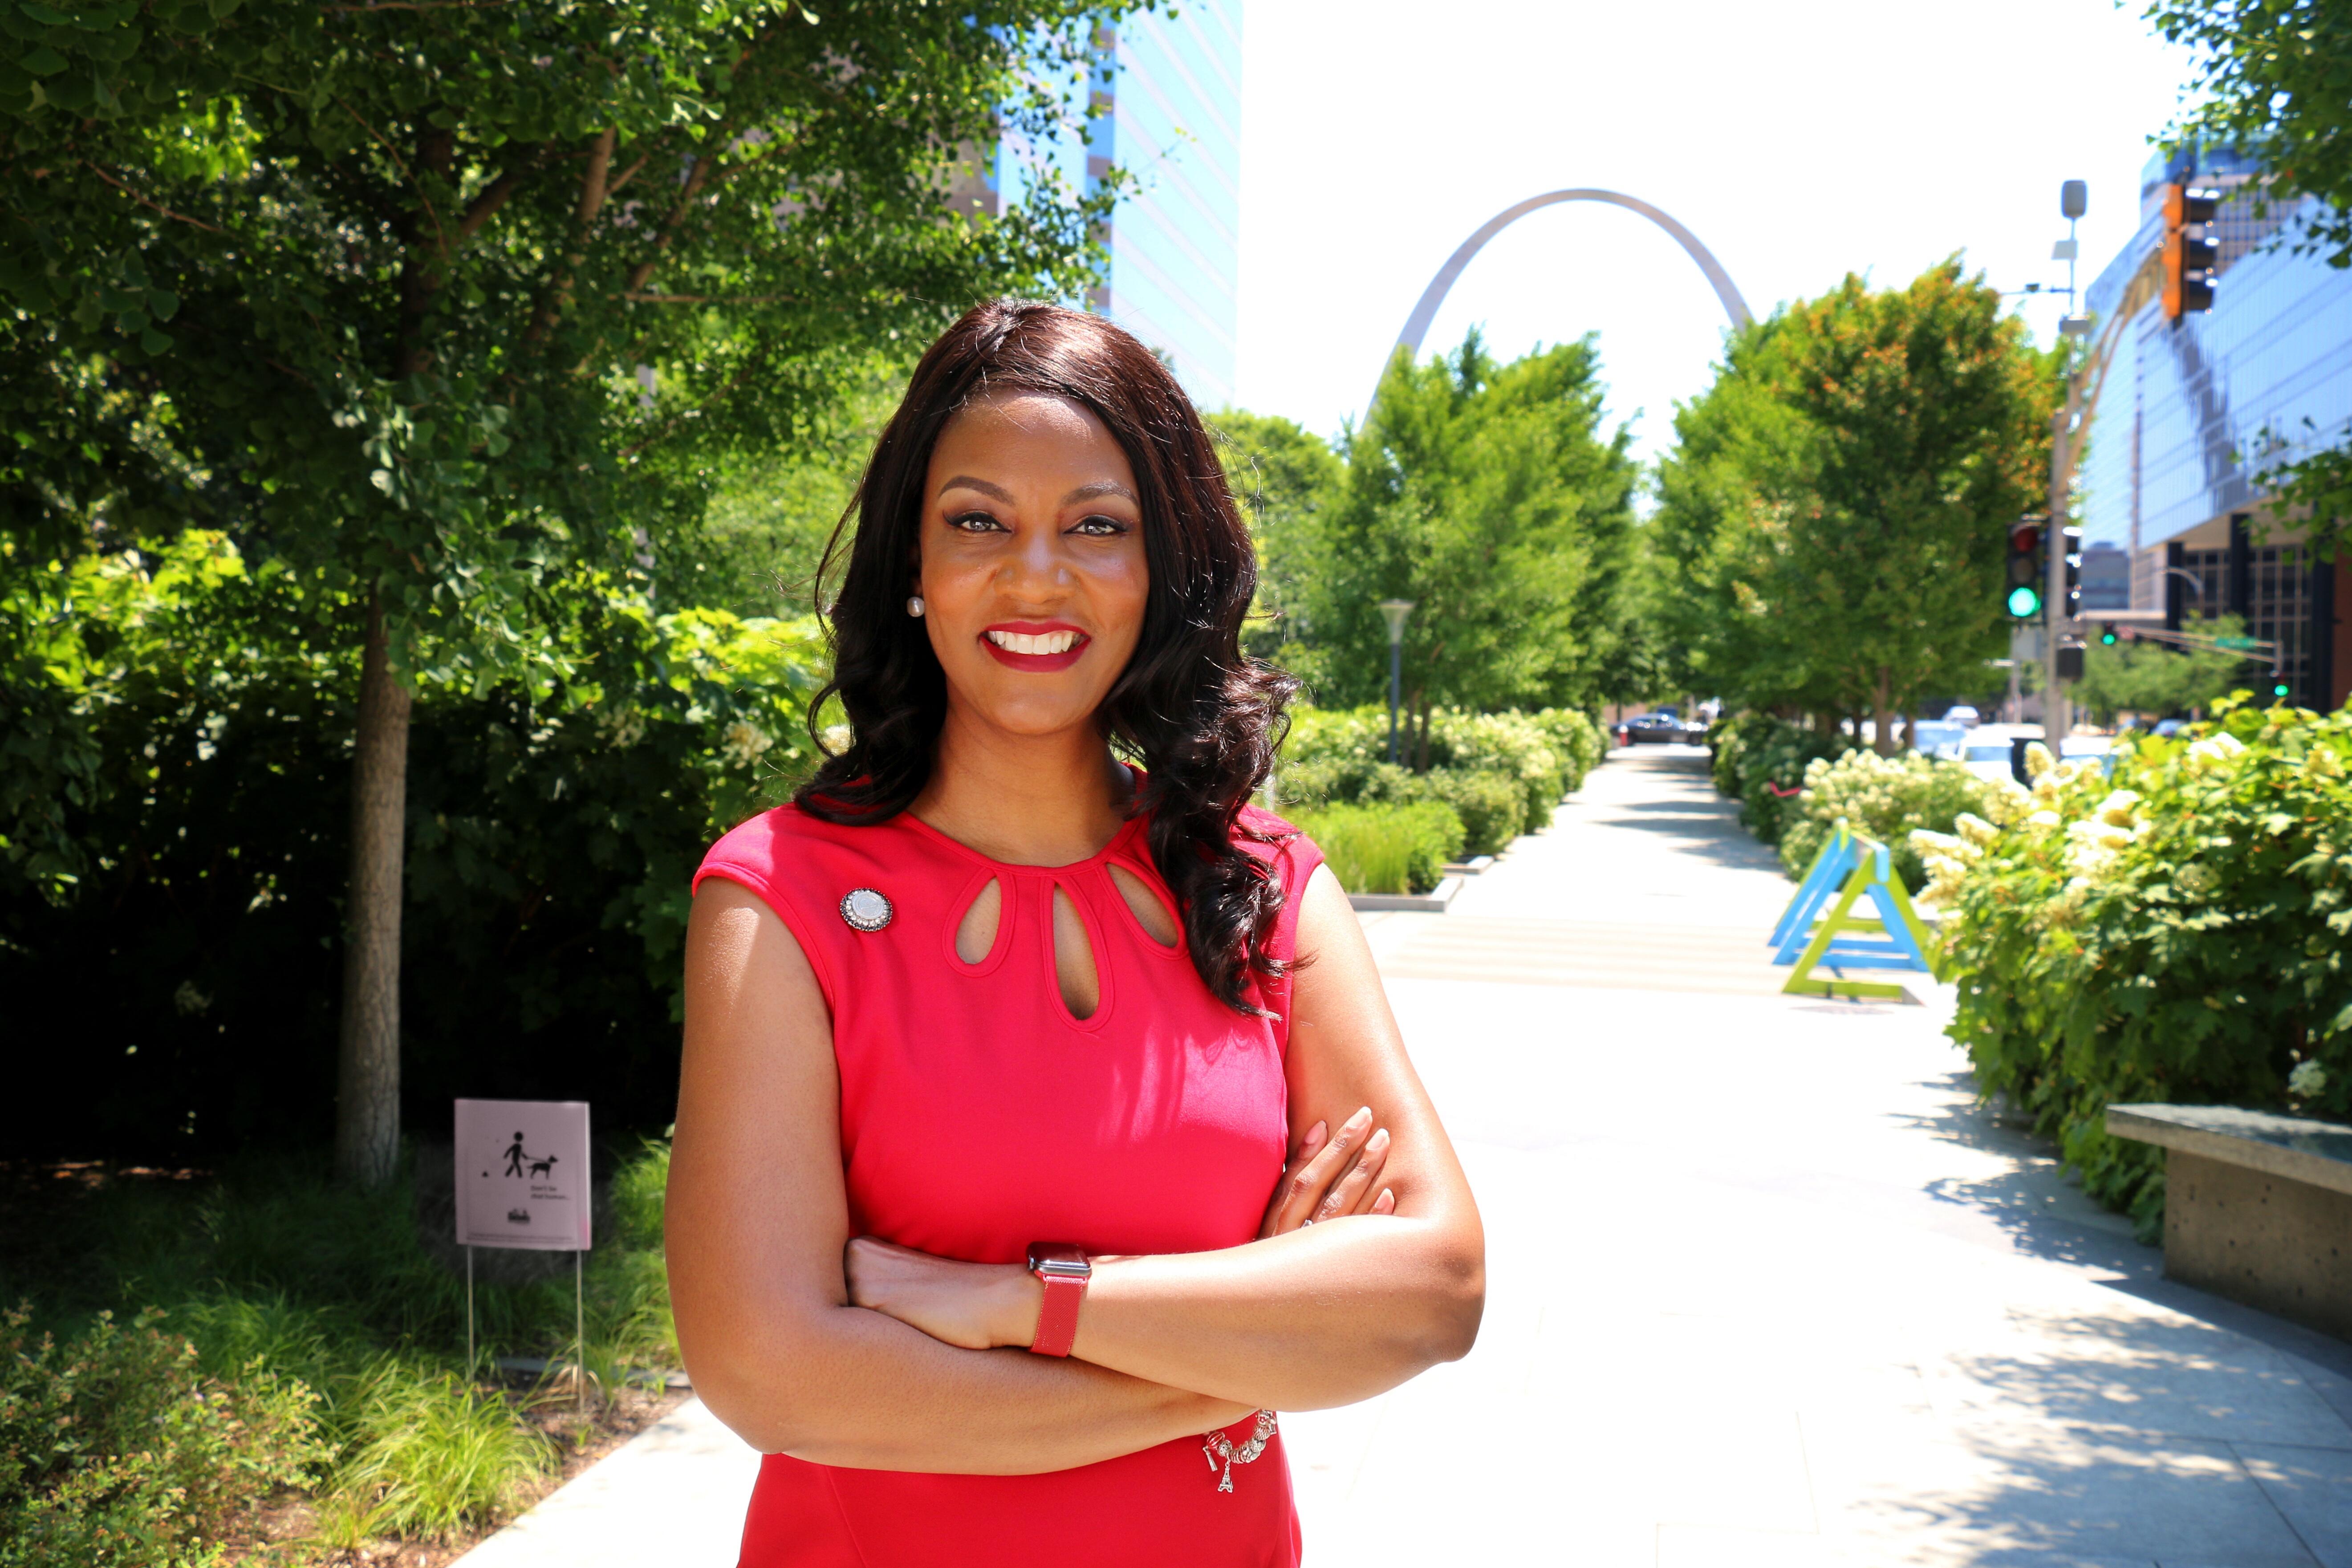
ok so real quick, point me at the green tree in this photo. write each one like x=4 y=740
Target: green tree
x=440 y=306
x=1488 y=495
x=2155 y=680
x=1837 y=505
x=1286 y=479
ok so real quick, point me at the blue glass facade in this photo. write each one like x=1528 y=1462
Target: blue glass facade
x=1170 y=92
x=2194 y=413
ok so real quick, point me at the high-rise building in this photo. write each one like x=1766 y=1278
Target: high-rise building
x=1169 y=92
x=2198 y=411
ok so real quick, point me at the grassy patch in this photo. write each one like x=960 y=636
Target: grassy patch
x=190 y=1349
x=1385 y=848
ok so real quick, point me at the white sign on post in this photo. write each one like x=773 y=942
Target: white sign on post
x=522 y=1173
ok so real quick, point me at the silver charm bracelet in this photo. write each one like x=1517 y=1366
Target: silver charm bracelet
x=1223 y=1453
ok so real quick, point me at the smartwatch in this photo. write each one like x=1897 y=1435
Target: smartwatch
x=1064 y=1270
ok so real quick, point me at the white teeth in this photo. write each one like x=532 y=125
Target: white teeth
x=1043 y=642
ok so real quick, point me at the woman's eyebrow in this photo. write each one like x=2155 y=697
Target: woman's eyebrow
x=1099 y=488
x=966 y=482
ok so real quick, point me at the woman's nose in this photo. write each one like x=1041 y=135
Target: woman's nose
x=1037 y=563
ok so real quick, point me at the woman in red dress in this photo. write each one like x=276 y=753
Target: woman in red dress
x=1043 y=1128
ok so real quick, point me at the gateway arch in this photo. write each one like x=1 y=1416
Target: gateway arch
x=1416 y=326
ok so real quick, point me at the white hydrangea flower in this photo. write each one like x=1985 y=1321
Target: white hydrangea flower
x=622 y=727
x=2038 y=761
x=744 y=742
x=2119 y=809
x=2307 y=1082
x=1975 y=829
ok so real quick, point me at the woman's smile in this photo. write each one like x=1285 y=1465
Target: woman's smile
x=1039 y=646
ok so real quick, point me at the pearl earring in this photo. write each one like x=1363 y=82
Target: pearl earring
x=915 y=607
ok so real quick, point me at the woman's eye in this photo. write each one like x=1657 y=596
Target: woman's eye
x=1101 y=527
x=975 y=522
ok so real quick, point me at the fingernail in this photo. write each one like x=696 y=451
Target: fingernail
x=1363 y=1115
x=1315 y=1135
x=1378 y=1141
x=1385 y=1203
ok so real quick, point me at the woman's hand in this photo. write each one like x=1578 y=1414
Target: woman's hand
x=1323 y=1181
x=976 y=1306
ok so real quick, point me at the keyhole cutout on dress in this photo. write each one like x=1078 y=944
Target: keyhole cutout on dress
x=1074 y=959
x=975 y=936
x=1144 y=906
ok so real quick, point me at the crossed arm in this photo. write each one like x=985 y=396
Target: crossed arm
x=857 y=1352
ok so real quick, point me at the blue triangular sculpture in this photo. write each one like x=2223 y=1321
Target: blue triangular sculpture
x=1830 y=867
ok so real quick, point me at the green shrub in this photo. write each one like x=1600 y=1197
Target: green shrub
x=1509 y=746
x=175 y=826
x=295 y=1295
x=1386 y=849
x=116 y=1448
x=1886 y=798
x=1761 y=760
x=1577 y=740
x=2173 y=932
x=1339 y=757
x=1490 y=805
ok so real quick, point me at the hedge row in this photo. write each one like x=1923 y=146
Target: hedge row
x=2176 y=931
x=1502 y=773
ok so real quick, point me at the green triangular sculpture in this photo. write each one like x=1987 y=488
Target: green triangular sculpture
x=1844 y=941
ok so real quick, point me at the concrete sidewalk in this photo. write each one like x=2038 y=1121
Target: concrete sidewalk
x=1765 y=1288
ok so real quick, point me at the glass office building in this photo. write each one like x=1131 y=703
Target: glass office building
x=2195 y=413
x=1170 y=92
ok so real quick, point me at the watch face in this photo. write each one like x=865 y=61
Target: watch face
x=1060 y=1260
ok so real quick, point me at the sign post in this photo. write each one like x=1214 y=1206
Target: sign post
x=522 y=1182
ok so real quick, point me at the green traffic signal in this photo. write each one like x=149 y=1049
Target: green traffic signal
x=2107 y=636
x=2280 y=688
x=2024 y=602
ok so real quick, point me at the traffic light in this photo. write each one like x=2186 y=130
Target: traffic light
x=2189 y=258
x=2072 y=538
x=2281 y=687
x=2070 y=661
x=2021 y=583
x=2107 y=633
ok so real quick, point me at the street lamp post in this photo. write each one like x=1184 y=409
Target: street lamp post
x=1396 y=610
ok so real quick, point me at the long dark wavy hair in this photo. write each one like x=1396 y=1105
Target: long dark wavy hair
x=1203 y=717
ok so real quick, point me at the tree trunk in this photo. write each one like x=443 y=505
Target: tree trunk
x=367 y=1079
x=1882 y=713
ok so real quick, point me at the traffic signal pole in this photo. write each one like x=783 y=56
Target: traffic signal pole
x=2057 y=716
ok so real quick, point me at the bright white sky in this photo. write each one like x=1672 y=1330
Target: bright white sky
x=1798 y=139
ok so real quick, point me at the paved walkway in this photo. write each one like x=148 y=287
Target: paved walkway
x=1765 y=1288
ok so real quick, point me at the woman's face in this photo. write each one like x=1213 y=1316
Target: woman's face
x=1033 y=574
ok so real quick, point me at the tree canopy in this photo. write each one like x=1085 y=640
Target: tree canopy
x=1491 y=497
x=1838 y=500
x=440 y=312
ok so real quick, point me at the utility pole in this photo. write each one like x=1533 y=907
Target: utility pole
x=2057 y=718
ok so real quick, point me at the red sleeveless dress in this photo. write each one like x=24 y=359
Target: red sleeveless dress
x=978 y=1116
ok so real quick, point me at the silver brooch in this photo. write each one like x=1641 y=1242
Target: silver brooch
x=863 y=908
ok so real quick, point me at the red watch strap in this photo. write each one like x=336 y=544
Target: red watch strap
x=1057 y=1318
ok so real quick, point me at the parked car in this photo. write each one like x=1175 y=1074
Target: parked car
x=1659 y=728
x=1961 y=713
x=1938 y=738
x=1988 y=759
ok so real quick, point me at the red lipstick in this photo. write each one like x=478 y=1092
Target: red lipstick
x=1036 y=663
